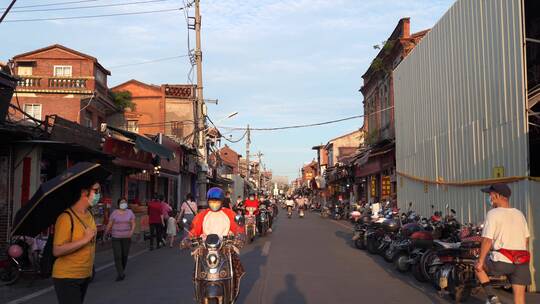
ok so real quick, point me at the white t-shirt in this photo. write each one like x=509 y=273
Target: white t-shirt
x=216 y=223
x=508 y=229
x=289 y=202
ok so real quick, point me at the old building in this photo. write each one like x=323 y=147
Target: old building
x=165 y=108
x=376 y=165
x=164 y=113
x=457 y=134
x=65 y=82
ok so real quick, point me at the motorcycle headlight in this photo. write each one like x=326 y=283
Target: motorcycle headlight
x=212 y=259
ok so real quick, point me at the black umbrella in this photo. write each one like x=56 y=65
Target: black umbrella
x=53 y=197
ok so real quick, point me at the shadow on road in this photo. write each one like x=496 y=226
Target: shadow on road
x=346 y=236
x=292 y=294
x=253 y=262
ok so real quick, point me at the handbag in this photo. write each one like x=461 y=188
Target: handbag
x=518 y=257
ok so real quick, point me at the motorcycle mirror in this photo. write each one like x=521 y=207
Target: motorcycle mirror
x=410 y=204
x=432 y=207
x=453 y=211
x=239 y=219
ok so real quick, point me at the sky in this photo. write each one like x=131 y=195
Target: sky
x=275 y=62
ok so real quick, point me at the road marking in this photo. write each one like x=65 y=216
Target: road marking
x=51 y=288
x=266 y=248
x=32 y=295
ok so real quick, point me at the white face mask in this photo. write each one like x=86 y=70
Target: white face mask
x=123 y=206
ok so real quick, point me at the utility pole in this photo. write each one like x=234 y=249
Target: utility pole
x=248 y=142
x=200 y=139
x=259 y=155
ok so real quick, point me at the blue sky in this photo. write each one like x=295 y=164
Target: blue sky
x=276 y=62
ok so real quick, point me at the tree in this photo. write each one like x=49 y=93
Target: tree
x=123 y=100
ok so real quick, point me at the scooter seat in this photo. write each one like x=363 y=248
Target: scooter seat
x=447 y=245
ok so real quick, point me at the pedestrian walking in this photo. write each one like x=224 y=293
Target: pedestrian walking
x=156 y=221
x=74 y=246
x=172 y=228
x=505 y=238
x=165 y=210
x=121 y=226
x=188 y=209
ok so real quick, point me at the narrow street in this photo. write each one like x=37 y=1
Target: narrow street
x=306 y=260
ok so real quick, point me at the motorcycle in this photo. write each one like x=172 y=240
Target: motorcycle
x=214 y=275
x=360 y=227
x=338 y=212
x=24 y=256
x=264 y=220
x=325 y=212
x=251 y=224
x=289 y=211
x=301 y=213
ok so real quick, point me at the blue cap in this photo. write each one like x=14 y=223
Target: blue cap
x=500 y=188
x=215 y=193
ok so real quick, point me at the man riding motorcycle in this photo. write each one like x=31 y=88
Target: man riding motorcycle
x=220 y=221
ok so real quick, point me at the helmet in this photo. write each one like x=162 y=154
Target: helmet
x=215 y=193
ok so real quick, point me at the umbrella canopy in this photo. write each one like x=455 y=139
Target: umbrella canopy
x=53 y=197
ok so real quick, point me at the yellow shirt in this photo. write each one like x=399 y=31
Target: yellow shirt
x=78 y=264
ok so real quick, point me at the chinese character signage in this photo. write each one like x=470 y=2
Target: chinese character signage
x=373 y=187
x=386 y=186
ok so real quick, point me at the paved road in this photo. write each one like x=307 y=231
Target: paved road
x=306 y=260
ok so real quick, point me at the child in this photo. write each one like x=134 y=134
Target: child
x=172 y=228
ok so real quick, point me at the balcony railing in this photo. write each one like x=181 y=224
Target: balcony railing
x=29 y=82
x=59 y=83
x=67 y=83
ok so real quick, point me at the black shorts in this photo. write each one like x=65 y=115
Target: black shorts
x=517 y=274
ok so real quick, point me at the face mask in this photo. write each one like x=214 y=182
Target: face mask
x=251 y=198
x=97 y=197
x=214 y=206
x=123 y=205
x=489 y=202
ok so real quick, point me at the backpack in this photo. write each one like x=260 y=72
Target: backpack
x=47 y=257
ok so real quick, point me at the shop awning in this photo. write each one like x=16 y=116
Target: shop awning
x=145 y=144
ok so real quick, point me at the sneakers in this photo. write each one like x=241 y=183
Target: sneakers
x=493 y=300
x=270 y=230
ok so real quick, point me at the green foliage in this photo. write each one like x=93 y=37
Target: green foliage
x=123 y=100
x=373 y=137
x=388 y=45
x=377 y=64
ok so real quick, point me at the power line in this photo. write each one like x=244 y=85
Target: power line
x=96 y=16
x=56 y=3
x=306 y=125
x=149 y=61
x=7 y=10
x=84 y=7
x=237 y=140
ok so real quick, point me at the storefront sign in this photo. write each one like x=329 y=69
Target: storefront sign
x=126 y=150
x=373 y=186
x=385 y=186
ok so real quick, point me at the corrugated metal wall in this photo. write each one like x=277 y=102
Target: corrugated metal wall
x=460 y=107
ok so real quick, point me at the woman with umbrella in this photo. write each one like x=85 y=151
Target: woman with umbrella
x=74 y=246
x=66 y=199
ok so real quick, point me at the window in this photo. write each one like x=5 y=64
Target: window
x=87 y=119
x=62 y=70
x=100 y=77
x=133 y=126
x=24 y=70
x=33 y=109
